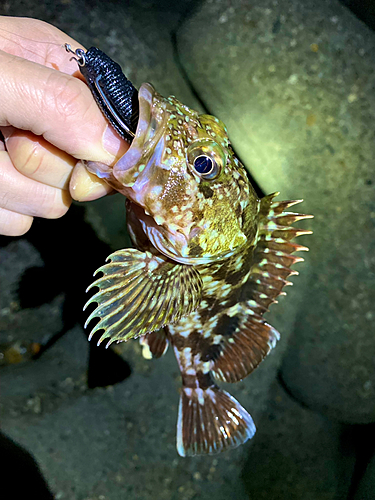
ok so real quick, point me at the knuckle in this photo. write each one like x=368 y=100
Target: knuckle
x=14 y=224
x=48 y=202
x=31 y=161
x=5 y=194
x=60 y=205
x=67 y=96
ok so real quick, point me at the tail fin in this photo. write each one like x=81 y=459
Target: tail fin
x=210 y=421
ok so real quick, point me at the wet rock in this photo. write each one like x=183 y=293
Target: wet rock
x=120 y=443
x=296 y=454
x=17 y=342
x=292 y=81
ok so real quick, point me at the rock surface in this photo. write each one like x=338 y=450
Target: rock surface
x=300 y=446
x=293 y=82
x=120 y=441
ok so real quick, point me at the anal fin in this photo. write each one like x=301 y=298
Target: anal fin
x=154 y=344
x=243 y=351
x=210 y=421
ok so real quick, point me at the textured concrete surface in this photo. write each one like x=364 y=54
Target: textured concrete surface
x=300 y=446
x=293 y=82
x=119 y=442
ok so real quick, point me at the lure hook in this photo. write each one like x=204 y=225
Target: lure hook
x=80 y=53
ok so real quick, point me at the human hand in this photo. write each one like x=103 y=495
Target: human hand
x=49 y=121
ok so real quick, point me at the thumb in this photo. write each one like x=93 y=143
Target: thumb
x=85 y=186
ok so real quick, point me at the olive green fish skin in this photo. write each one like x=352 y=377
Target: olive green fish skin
x=191 y=218
x=211 y=258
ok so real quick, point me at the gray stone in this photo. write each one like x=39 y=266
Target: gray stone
x=293 y=81
x=296 y=454
x=18 y=256
x=119 y=442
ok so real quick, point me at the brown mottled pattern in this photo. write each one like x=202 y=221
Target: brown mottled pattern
x=227 y=335
x=224 y=250
x=163 y=181
x=210 y=322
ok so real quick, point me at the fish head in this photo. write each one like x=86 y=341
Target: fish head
x=190 y=192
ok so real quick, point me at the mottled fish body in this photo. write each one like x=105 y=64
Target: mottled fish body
x=210 y=258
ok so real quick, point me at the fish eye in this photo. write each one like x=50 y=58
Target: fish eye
x=204 y=164
x=206 y=159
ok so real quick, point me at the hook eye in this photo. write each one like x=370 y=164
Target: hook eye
x=80 y=53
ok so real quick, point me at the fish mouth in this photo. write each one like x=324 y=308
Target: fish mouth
x=134 y=168
x=168 y=243
x=140 y=171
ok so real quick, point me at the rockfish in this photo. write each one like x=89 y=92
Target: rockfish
x=209 y=259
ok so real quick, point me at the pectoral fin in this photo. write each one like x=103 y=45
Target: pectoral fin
x=140 y=292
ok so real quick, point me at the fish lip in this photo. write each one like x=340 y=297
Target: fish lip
x=157 y=235
x=145 y=137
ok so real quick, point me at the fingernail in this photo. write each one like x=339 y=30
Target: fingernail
x=7 y=132
x=96 y=192
x=85 y=186
x=113 y=143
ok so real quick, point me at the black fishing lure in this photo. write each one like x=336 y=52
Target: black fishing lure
x=114 y=93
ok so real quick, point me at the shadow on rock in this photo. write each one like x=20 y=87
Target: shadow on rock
x=14 y=459
x=71 y=252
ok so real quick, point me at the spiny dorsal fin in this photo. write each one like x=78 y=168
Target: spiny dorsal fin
x=252 y=338
x=140 y=292
x=273 y=253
